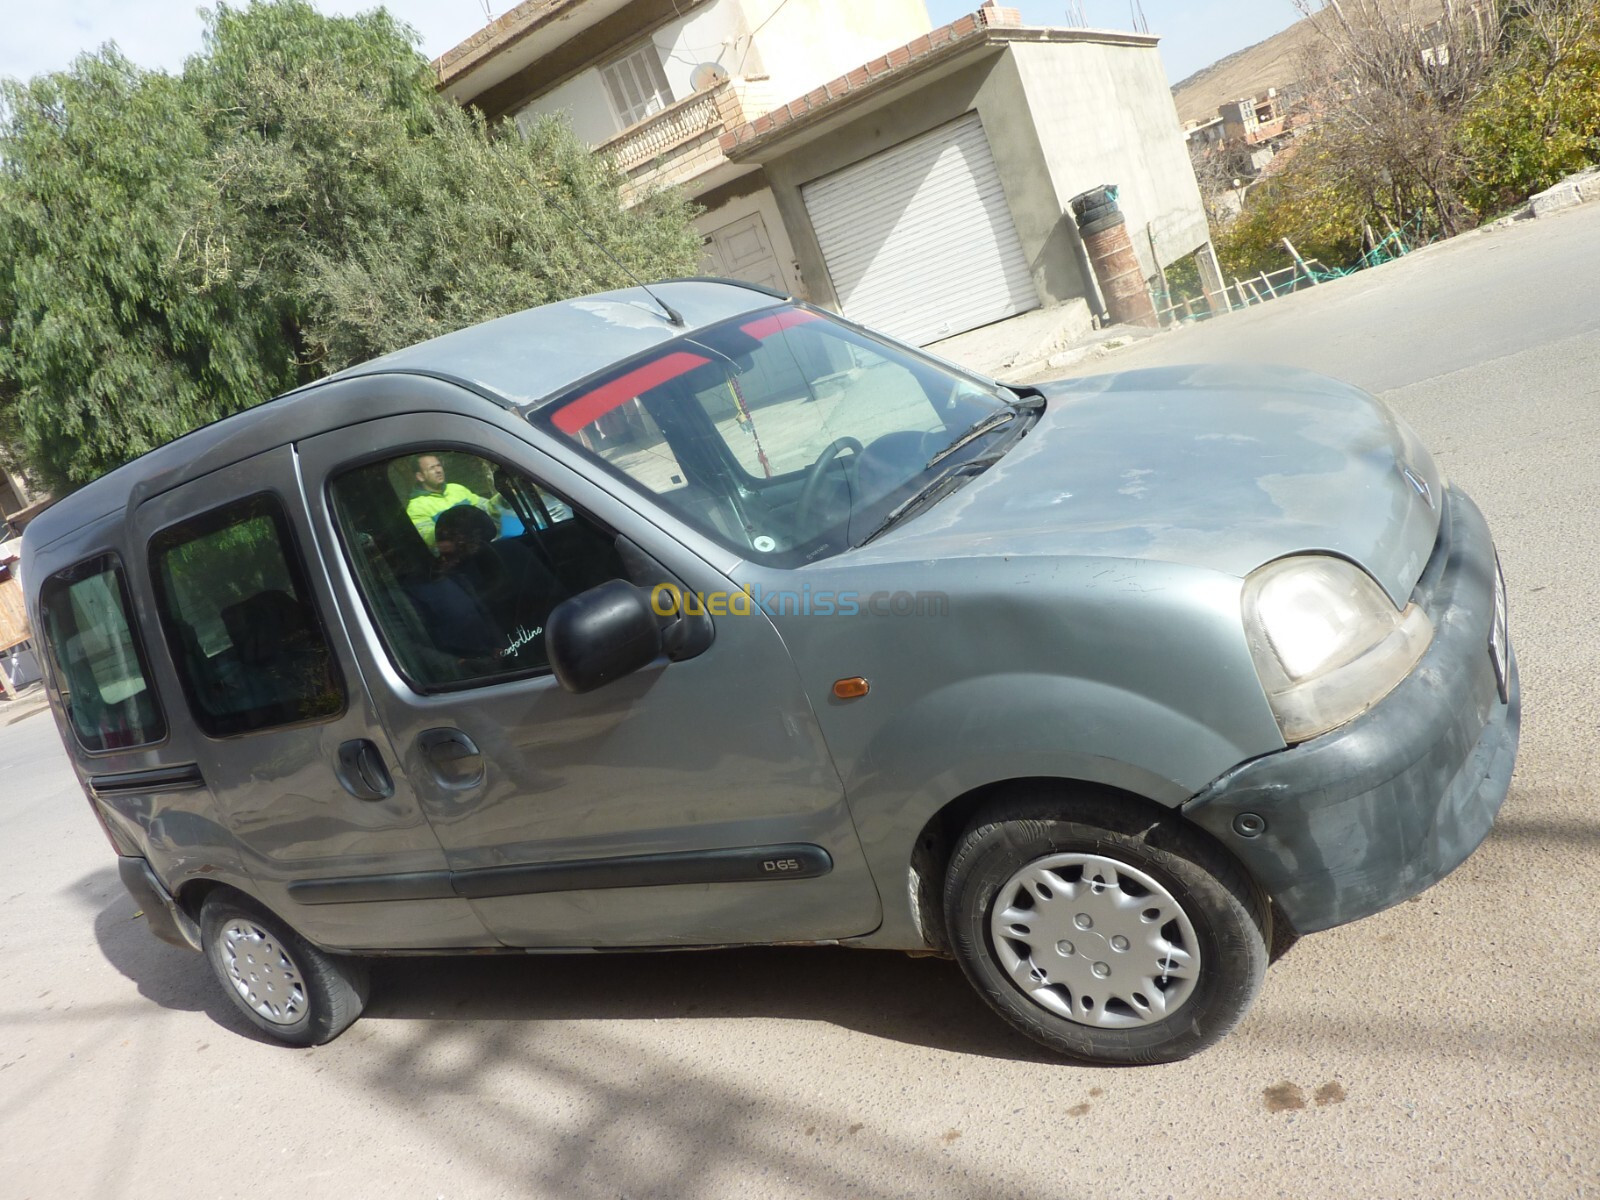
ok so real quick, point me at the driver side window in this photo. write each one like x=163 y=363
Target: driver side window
x=460 y=560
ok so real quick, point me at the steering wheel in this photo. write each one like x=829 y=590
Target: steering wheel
x=817 y=472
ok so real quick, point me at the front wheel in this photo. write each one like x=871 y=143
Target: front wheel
x=286 y=987
x=1102 y=934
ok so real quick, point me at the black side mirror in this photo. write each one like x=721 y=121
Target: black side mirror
x=601 y=635
x=683 y=636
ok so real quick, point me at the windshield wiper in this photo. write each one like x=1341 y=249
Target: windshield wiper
x=993 y=421
x=932 y=490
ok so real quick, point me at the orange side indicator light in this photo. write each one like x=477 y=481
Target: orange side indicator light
x=851 y=689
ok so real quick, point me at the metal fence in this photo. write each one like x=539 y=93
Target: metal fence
x=1303 y=273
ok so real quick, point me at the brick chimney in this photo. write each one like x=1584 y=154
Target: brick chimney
x=991 y=14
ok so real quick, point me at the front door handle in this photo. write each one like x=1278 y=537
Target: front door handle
x=361 y=771
x=453 y=758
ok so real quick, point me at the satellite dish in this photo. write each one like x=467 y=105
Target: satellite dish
x=707 y=75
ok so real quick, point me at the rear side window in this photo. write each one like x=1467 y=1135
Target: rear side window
x=99 y=663
x=238 y=618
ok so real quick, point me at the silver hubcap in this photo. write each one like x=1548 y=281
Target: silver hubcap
x=263 y=973
x=1095 y=940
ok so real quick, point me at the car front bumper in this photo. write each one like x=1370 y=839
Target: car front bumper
x=1359 y=819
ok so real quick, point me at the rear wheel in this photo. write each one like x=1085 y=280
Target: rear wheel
x=1102 y=934
x=285 y=986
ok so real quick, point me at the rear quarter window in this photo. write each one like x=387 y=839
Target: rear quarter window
x=100 y=666
x=237 y=613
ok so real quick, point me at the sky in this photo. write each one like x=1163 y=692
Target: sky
x=36 y=36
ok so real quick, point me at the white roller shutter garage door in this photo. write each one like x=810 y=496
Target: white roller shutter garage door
x=918 y=239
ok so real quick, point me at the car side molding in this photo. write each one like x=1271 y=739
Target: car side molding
x=186 y=778
x=749 y=864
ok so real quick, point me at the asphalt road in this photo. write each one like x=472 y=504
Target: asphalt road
x=1448 y=1047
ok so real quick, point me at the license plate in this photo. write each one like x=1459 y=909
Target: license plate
x=1499 y=637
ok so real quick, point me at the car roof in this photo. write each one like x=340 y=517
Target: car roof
x=529 y=356
x=516 y=361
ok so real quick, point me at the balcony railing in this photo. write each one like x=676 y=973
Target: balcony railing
x=680 y=142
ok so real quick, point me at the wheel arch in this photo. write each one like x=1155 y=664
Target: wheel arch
x=193 y=893
x=935 y=842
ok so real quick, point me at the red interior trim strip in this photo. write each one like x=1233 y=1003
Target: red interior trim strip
x=590 y=407
x=788 y=319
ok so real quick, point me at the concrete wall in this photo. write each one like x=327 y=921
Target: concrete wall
x=718 y=33
x=992 y=87
x=1105 y=114
x=1238 y=120
x=582 y=100
x=795 y=45
x=805 y=43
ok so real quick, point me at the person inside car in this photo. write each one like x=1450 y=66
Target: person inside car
x=434 y=495
x=506 y=577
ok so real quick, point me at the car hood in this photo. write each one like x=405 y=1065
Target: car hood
x=1225 y=468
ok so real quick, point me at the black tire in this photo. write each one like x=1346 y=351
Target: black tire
x=1229 y=919
x=1096 y=212
x=1089 y=228
x=331 y=990
x=1100 y=197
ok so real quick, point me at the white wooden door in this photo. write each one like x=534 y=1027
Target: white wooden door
x=742 y=250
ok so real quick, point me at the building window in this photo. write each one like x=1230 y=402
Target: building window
x=637 y=85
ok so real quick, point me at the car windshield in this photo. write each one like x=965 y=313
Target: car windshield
x=783 y=434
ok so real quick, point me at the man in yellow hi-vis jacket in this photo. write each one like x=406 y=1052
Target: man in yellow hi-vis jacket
x=433 y=496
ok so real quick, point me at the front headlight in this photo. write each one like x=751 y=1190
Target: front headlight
x=1327 y=642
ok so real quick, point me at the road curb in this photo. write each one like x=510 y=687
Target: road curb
x=1106 y=343
x=1582 y=188
x=30 y=702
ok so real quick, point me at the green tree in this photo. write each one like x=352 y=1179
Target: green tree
x=1318 y=199
x=1430 y=127
x=174 y=248
x=1539 y=121
x=105 y=350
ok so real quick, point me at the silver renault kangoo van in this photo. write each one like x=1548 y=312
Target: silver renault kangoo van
x=699 y=617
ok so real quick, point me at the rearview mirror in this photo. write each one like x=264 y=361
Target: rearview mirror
x=601 y=635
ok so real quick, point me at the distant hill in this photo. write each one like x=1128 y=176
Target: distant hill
x=1274 y=63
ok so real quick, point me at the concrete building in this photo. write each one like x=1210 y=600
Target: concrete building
x=1205 y=134
x=1261 y=125
x=1235 y=148
x=1256 y=128
x=655 y=83
x=915 y=179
